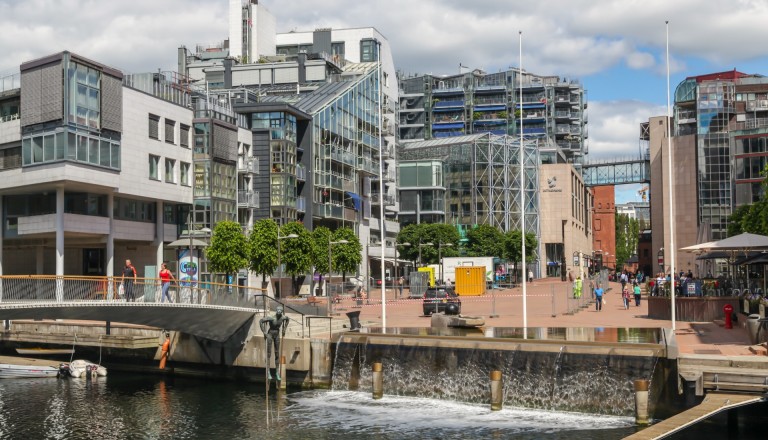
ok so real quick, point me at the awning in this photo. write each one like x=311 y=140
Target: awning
x=355 y=199
x=184 y=243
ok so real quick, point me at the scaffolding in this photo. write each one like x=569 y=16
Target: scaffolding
x=482 y=178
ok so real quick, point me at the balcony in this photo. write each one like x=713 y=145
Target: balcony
x=389 y=225
x=301 y=173
x=448 y=103
x=301 y=204
x=388 y=199
x=248 y=165
x=336 y=212
x=248 y=199
x=340 y=155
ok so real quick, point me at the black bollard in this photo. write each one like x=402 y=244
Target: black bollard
x=354 y=320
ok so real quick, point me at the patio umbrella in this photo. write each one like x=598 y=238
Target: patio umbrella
x=699 y=247
x=741 y=242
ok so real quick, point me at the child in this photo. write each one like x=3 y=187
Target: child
x=625 y=296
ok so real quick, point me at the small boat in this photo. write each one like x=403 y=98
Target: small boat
x=82 y=368
x=12 y=371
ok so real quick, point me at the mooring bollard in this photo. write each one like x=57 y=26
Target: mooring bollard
x=378 y=381
x=283 y=380
x=497 y=395
x=641 y=402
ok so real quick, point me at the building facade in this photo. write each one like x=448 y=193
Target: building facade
x=96 y=169
x=552 y=109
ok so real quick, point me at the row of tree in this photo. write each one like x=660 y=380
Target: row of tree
x=481 y=241
x=627 y=236
x=299 y=250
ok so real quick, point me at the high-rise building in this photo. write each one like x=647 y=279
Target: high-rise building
x=553 y=109
x=719 y=120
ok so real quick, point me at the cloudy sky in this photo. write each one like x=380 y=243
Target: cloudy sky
x=616 y=48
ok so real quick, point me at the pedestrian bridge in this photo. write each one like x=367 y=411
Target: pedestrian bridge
x=617 y=171
x=209 y=310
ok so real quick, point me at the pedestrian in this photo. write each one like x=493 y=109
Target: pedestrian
x=165 y=280
x=129 y=278
x=625 y=297
x=636 y=291
x=271 y=326
x=577 y=287
x=401 y=281
x=530 y=276
x=598 y=298
x=623 y=279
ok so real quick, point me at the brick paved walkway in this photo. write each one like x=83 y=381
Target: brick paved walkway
x=693 y=338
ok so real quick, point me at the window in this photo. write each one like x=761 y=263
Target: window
x=369 y=51
x=154 y=164
x=170 y=170
x=170 y=131
x=84 y=107
x=184 y=170
x=154 y=127
x=184 y=135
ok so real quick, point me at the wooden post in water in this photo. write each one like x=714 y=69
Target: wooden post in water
x=378 y=381
x=497 y=388
x=283 y=379
x=641 y=402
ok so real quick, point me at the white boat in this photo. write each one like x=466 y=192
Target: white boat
x=12 y=371
x=83 y=368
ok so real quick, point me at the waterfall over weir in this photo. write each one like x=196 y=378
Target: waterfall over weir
x=589 y=375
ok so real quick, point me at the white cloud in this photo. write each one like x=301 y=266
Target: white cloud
x=614 y=128
x=640 y=60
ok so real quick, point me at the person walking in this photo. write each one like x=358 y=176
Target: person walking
x=636 y=291
x=598 y=298
x=625 y=297
x=401 y=282
x=129 y=278
x=577 y=287
x=165 y=280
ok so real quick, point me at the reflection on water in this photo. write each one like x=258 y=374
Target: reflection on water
x=129 y=406
x=580 y=334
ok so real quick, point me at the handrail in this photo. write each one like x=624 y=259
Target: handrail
x=330 y=324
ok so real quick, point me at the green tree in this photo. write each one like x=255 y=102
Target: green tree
x=262 y=248
x=296 y=253
x=734 y=221
x=513 y=247
x=485 y=241
x=346 y=256
x=228 y=252
x=321 y=236
x=444 y=239
x=627 y=235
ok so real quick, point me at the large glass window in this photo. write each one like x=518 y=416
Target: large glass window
x=369 y=51
x=84 y=107
x=82 y=147
x=170 y=170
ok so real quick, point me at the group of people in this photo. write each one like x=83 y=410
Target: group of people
x=129 y=279
x=630 y=287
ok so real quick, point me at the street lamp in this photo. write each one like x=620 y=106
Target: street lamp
x=440 y=246
x=421 y=245
x=330 y=269
x=279 y=263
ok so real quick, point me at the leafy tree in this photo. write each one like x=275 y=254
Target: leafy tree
x=228 y=251
x=734 y=221
x=444 y=239
x=321 y=236
x=262 y=248
x=627 y=234
x=485 y=241
x=513 y=247
x=296 y=253
x=346 y=256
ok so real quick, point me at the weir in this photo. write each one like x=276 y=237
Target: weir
x=559 y=375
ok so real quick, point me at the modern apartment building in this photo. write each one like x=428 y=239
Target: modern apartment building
x=96 y=167
x=553 y=109
x=720 y=120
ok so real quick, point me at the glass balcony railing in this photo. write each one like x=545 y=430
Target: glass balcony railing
x=248 y=199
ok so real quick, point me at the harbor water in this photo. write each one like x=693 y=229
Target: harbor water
x=130 y=406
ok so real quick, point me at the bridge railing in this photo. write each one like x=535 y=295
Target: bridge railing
x=47 y=288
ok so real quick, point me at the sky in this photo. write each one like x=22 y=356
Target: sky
x=615 y=48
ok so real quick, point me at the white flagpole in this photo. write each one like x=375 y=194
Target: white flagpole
x=381 y=204
x=670 y=185
x=522 y=191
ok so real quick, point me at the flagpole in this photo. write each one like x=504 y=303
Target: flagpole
x=670 y=185
x=381 y=202
x=522 y=191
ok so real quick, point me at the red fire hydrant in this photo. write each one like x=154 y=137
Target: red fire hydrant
x=728 y=310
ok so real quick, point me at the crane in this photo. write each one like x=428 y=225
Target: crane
x=643 y=192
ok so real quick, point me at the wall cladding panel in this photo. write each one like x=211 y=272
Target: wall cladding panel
x=111 y=103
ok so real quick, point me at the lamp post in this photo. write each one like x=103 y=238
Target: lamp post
x=421 y=245
x=440 y=246
x=330 y=269
x=279 y=262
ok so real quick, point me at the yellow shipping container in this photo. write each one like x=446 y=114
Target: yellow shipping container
x=470 y=280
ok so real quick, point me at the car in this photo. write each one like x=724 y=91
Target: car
x=441 y=299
